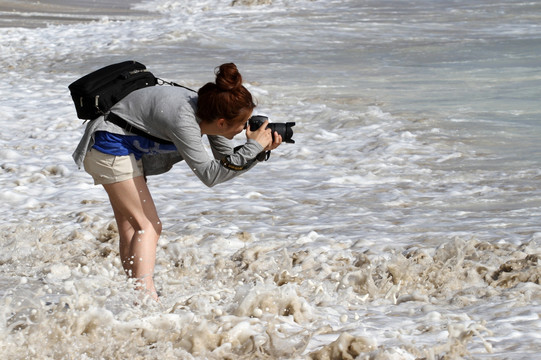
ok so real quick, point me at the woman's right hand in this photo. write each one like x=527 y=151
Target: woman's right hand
x=262 y=135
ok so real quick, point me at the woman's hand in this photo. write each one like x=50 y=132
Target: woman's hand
x=274 y=144
x=262 y=135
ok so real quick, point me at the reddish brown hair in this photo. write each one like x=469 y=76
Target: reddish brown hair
x=226 y=99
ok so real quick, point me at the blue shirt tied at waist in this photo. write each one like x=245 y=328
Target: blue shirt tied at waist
x=122 y=145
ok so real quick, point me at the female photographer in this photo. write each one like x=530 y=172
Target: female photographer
x=150 y=130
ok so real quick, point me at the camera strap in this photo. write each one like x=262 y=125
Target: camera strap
x=226 y=162
x=263 y=156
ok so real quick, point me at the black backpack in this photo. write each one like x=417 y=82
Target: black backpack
x=94 y=94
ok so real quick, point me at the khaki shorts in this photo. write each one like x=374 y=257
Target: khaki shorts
x=108 y=169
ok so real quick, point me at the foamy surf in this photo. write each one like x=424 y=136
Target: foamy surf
x=403 y=224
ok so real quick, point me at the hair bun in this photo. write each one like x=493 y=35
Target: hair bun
x=228 y=77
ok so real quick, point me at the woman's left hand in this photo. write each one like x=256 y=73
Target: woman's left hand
x=277 y=140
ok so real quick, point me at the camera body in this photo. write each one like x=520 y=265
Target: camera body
x=283 y=129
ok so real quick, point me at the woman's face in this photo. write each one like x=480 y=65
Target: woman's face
x=229 y=132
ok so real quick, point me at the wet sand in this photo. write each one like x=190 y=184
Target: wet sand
x=33 y=14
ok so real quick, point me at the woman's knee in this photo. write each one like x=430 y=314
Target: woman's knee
x=158 y=227
x=151 y=225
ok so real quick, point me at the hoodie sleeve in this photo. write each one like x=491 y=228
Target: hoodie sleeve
x=226 y=163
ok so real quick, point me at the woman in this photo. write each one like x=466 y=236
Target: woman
x=150 y=130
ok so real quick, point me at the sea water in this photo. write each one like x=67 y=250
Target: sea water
x=404 y=223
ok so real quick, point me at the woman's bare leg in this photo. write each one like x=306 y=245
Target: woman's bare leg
x=139 y=229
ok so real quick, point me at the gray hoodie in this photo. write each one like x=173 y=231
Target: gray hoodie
x=168 y=112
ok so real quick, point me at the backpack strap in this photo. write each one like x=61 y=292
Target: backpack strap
x=117 y=120
x=162 y=82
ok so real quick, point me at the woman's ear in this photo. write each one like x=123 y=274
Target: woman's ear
x=221 y=123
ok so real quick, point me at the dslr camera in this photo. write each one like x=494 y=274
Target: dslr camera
x=283 y=129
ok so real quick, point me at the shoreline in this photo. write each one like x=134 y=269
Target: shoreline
x=36 y=14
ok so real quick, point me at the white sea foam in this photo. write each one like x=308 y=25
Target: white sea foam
x=403 y=224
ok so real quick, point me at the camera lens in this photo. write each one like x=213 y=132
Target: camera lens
x=283 y=129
